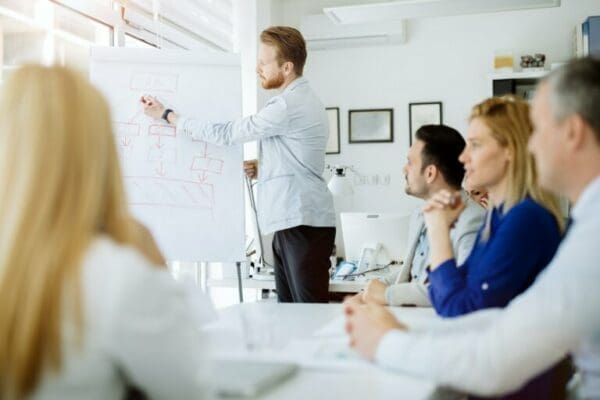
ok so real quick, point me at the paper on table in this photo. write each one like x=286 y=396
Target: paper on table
x=326 y=353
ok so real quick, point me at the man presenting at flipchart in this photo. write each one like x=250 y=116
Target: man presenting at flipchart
x=292 y=131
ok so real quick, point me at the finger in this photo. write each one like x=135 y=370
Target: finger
x=439 y=202
x=372 y=306
x=355 y=302
x=348 y=299
x=434 y=204
x=350 y=305
x=348 y=327
x=445 y=193
x=379 y=310
x=348 y=311
x=427 y=207
x=442 y=197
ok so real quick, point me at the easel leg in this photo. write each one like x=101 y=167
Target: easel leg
x=238 y=266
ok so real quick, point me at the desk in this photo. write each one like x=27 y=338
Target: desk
x=300 y=321
x=269 y=284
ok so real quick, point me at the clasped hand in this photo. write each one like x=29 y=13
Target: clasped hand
x=442 y=210
x=366 y=324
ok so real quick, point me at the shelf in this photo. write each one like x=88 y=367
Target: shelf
x=519 y=75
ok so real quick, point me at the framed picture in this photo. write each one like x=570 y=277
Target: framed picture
x=420 y=114
x=371 y=126
x=333 y=144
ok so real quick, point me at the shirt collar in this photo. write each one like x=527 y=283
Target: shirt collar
x=298 y=81
x=589 y=196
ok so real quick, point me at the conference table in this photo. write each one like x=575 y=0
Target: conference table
x=311 y=335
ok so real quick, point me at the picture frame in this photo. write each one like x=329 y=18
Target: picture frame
x=371 y=125
x=333 y=143
x=424 y=113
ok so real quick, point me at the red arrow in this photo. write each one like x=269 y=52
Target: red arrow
x=125 y=141
x=202 y=177
x=158 y=145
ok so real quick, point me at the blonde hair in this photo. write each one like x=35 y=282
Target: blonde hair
x=508 y=119
x=60 y=186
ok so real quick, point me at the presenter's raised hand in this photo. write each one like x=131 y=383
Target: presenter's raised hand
x=152 y=107
x=251 y=168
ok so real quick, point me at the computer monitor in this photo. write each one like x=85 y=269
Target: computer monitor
x=366 y=230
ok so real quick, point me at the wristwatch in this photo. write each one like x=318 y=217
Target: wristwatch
x=165 y=114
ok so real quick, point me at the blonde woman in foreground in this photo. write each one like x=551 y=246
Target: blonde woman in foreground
x=87 y=306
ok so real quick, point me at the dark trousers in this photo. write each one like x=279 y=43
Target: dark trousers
x=302 y=263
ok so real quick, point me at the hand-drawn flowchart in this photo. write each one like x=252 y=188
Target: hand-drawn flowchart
x=190 y=194
x=153 y=145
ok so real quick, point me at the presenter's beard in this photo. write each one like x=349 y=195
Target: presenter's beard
x=273 y=83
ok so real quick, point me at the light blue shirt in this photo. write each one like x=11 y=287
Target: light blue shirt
x=421 y=257
x=292 y=131
x=493 y=351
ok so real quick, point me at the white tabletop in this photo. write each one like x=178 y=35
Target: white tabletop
x=338 y=286
x=287 y=327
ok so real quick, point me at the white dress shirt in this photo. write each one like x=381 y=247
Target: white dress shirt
x=140 y=329
x=494 y=352
x=292 y=130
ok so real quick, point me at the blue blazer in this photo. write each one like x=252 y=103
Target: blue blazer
x=520 y=245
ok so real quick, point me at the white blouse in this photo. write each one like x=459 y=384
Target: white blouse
x=140 y=329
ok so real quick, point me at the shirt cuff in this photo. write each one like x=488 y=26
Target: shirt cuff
x=180 y=127
x=390 y=349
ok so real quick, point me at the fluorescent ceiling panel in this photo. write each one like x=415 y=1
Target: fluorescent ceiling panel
x=405 y=9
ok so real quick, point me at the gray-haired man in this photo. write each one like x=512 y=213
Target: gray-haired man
x=494 y=352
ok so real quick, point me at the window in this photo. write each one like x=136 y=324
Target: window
x=132 y=41
x=62 y=31
x=74 y=34
x=189 y=24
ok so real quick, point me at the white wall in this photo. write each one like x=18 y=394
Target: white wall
x=446 y=59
